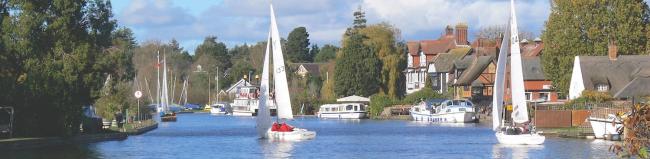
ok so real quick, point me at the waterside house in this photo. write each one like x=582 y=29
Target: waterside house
x=421 y=53
x=306 y=69
x=232 y=91
x=622 y=76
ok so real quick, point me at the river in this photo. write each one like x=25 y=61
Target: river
x=202 y=135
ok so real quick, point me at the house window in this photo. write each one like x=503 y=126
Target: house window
x=561 y=96
x=544 y=96
x=602 y=87
x=529 y=96
x=477 y=91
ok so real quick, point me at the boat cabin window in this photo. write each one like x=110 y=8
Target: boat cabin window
x=361 y=107
x=348 y=107
x=327 y=109
x=448 y=110
x=461 y=109
x=356 y=108
x=417 y=109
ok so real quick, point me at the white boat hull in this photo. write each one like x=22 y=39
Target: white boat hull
x=343 y=115
x=603 y=127
x=242 y=113
x=217 y=111
x=455 y=117
x=295 y=135
x=521 y=139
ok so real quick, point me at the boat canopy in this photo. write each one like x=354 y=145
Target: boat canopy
x=353 y=98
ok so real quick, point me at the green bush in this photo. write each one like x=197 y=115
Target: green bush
x=378 y=102
x=424 y=94
x=589 y=96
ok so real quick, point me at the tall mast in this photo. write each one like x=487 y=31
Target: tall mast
x=282 y=98
x=520 y=107
x=158 y=93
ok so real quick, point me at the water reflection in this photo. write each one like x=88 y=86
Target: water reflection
x=427 y=123
x=514 y=151
x=276 y=149
x=55 y=152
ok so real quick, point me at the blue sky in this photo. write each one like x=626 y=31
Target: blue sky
x=236 y=22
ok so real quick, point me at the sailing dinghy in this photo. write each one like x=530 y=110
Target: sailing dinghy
x=265 y=127
x=521 y=131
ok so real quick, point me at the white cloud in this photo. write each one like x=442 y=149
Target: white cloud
x=246 y=21
x=426 y=16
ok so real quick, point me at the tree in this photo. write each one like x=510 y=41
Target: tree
x=358 y=23
x=357 y=69
x=297 y=45
x=384 y=39
x=584 y=27
x=326 y=53
x=99 y=17
x=497 y=31
x=312 y=52
x=212 y=55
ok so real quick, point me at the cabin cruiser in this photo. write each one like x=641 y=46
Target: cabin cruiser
x=220 y=108
x=246 y=102
x=448 y=111
x=343 y=111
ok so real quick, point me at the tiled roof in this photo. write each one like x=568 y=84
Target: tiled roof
x=413 y=47
x=532 y=68
x=431 y=47
x=531 y=49
x=312 y=68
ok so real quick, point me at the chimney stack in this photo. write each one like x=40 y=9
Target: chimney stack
x=449 y=31
x=612 y=50
x=499 y=39
x=461 y=34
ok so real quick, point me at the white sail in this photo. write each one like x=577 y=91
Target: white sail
x=282 y=98
x=165 y=92
x=263 y=114
x=499 y=81
x=520 y=108
x=158 y=92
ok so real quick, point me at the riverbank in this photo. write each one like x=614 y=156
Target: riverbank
x=113 y=134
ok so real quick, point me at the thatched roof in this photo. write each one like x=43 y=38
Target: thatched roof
x=625 y=76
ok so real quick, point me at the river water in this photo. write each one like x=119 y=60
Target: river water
x=206 y=136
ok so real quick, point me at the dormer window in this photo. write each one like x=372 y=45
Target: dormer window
x=602 y=87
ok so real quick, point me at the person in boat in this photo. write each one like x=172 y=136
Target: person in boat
x=281 y=127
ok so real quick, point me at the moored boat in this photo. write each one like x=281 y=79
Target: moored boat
x=343 y=111
x=448 y=111
x=604 y=127
x=246 y=102
x=220 y=108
